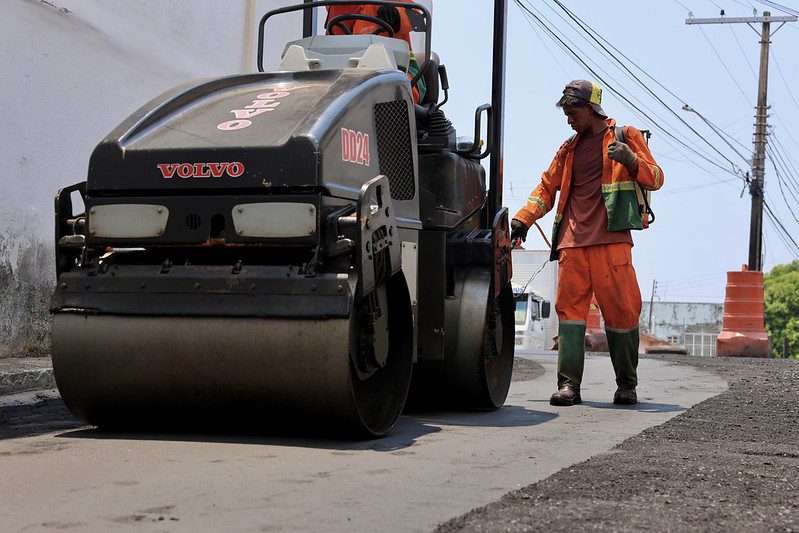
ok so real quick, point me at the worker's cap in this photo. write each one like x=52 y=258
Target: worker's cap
x=578 y=91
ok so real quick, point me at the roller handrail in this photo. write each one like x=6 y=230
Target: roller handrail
x=323 y=3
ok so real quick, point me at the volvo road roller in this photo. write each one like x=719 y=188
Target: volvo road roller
x=305 y=245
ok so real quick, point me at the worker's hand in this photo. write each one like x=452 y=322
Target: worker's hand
x=622 y=153
x=518 y=232
x=391 y=15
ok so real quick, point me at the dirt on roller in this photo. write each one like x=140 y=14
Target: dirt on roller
x=729 y=463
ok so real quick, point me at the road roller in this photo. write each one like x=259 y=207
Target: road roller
x=304 y=245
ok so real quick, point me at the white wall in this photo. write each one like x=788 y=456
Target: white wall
x=73 y=70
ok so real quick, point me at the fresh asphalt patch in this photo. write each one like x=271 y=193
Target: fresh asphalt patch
x=729 y=463
x=526 y=370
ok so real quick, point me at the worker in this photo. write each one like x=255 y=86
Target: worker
x=597 y=176
x=396 y=18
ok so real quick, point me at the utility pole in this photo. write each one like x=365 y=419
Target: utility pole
x=761 y=126
x=651 y=306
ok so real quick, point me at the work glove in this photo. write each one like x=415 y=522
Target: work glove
x=622 y=153
x=391 y=15
x=518 y=232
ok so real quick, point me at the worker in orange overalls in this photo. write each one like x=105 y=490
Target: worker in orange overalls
x=597 y=177
x=396 y=18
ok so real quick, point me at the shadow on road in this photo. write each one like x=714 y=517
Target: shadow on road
x=405 y=434
x=402 y=436
x=35 y=419
x=507 y=417
x=51 y=415
x=645 y=407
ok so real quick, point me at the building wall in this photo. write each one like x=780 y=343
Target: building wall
x=535 y=268
x=72 y=70
x=673 y=320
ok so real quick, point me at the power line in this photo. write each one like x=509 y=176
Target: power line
x=787 y=86
x=783 y=152
x=591 y=32
x=782 y=192
x=781 y=235
x=785 y=232
x=578 y=57
x=690 y=188
x=741 y=48
x=724 y=64
x=546 y=47
x=787 y=130
x=637 y=110
x=780 y=7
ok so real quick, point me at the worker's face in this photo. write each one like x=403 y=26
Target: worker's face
x=579 y=117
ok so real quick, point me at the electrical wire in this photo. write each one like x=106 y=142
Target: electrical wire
x=780 y=7
x=747 y=4
x=782 y=151
x=741 y=48
x=634 y=109
x=591 y=32
x=787 y=86
x=724 y=64
x=787 y=130
x=780 y=235
x=612 y=88
x=546 y=47
x=782 y=192
x=785 y=232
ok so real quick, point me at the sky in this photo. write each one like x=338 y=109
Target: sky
x=702 y=226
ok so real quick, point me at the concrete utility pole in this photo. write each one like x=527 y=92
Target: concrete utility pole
x=761 y=125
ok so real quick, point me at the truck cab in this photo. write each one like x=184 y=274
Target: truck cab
x=530 y=310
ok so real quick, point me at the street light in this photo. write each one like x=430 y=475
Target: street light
x=718 y=132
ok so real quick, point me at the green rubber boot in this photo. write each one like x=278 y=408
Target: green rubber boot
x=623 y=346
x=571 y=354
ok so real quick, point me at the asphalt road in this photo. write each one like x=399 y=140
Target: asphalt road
x=730 y=463
x=433 y=467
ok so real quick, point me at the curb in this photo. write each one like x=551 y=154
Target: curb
x=25 y=380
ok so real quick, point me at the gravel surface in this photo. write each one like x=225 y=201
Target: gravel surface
x=729 y=463
x=526 y=370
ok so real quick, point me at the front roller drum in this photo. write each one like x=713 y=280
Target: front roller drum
x=126 y=371
x=477 y=370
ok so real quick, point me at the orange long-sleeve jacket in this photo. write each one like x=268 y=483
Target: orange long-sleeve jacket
x=618 y=186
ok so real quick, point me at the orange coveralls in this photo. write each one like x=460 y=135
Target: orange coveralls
x=604 y=270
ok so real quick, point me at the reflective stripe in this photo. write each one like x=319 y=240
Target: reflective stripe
x=615 y=330
x=658 y=177
x=538 y=201
x=618 y=186
x=558 y=217
x=572 y=322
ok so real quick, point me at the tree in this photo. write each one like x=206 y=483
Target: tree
x=782 y=307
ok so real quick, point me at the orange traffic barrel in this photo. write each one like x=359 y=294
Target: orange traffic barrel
x=743 y=332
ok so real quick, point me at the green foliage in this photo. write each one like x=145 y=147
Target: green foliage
x=782 y=307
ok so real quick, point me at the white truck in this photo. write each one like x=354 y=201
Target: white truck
x=534 y=284
x=531 y=311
